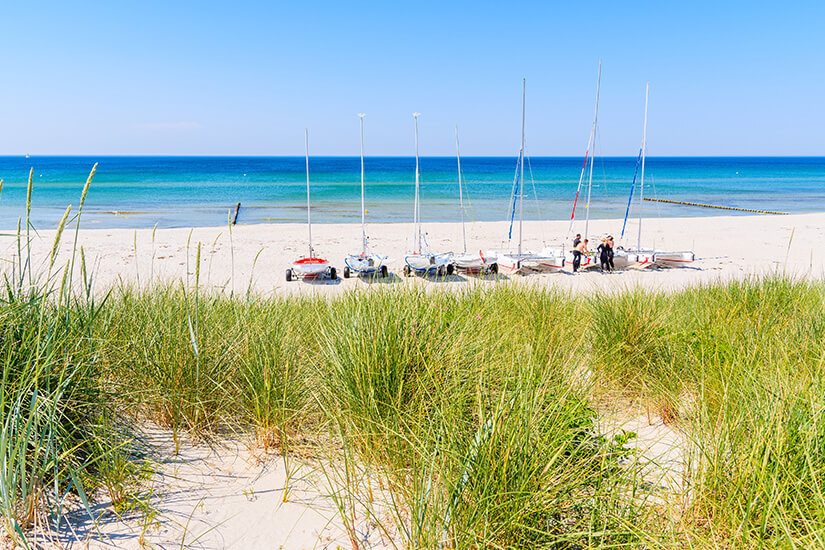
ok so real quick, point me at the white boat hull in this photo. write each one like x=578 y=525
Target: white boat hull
x=428 y=263
x=310 y=268
x=641 y=259
x=624 y=258
x=476 y=263
x=673 y=259
x=365 y=265
x=548 y=260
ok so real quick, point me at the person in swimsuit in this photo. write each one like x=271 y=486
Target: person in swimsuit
x=579 y=250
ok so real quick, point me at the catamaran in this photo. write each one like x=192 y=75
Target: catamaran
x=470 y=262
x=310 y=267
x=364 y=263
x=519 y=261
x=421 y=260
x=650 y=257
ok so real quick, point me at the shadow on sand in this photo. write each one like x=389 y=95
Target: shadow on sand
x=390 y=279
x=321 y=281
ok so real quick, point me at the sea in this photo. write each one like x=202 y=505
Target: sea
x=138 y=192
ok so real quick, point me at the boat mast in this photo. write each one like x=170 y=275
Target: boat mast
x=521 y=160
x=363 y=211
x=460 y=192
x=593 y=153
x=642 y=182
x=417 y=215
x=309 y=219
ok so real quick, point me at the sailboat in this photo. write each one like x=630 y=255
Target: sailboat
x=646 y=258
x=622 y=258
x=364 y=263
x=589 y=259
x=470 y=262
x=310 y=267
x=421 y=260
x=518 y=261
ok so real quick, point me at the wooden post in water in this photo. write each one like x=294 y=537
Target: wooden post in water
x=237 y=211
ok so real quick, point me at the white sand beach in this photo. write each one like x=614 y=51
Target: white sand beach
x=257 y=256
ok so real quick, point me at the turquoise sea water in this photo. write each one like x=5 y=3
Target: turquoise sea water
x=194 y=191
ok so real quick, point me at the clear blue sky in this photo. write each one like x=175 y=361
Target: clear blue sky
x=243 y=77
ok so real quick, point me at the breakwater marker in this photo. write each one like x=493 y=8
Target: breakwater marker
x=719 y=207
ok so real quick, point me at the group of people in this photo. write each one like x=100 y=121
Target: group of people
x=605 y=251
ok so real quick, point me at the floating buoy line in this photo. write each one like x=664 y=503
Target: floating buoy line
x=719 y=207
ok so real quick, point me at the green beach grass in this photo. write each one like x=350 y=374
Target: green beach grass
x=477 y=409
x=479 y=412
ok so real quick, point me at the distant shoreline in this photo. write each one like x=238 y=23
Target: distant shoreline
x=87 y=226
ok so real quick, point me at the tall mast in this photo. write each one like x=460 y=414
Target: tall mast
x=363 y=211
x=417 y=216
x=642 y=184
x=593 y=152
x=521 y=161
x=309 y=219
x=460 y=192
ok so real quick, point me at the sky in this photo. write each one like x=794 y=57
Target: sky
x=179 y=77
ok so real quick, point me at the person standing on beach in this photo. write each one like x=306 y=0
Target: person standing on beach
x=610 y=253
x=604 y=255
x=577 y=240
x=578 y=251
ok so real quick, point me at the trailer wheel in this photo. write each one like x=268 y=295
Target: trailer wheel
x=384 y=271
x=288 y=275
x=407 y=271
x=450 y=269
x=333 y=274
x=494 y=268
x=346 y=272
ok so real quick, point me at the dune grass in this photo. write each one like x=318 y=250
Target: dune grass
x=475 y=409
x=738 y=367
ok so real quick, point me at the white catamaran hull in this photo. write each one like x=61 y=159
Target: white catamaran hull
x=370 y=264
x=476 y=263
x=643 y=258
x=653 y=258
x=429 y=263
x=630 y=259
x=673 y=259
x=530 y=263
